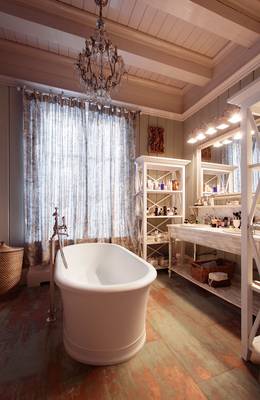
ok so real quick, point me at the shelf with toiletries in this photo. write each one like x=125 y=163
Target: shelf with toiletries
x=231 y=294
x=160 y=198
x=218 y=206
x=164 y=216
x=163 y=191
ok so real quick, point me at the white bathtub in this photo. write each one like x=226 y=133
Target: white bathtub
x=104 y=293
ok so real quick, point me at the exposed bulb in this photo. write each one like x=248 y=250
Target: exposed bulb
x=222 y=126
x=192 y=140
x=200 y=136
x=211 y=130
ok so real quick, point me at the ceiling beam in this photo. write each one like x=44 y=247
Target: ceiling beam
x=138 y=49
x=27 y=63
x=76 y=43
x=214 y=17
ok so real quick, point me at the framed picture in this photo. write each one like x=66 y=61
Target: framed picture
x=155 y=139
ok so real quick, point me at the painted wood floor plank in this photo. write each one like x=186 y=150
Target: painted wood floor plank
x=192 y=352
x=236 y=384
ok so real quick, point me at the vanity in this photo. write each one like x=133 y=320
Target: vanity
x=224 y=239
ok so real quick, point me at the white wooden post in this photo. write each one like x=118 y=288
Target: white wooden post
x=246 y=251
x=145 y=211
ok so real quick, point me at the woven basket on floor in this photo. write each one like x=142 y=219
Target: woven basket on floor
x=11 y=260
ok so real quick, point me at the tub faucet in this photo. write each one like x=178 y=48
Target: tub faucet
x=59 y=229
x=58 y=232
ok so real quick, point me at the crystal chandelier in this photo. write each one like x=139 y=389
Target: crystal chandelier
x=99 y=65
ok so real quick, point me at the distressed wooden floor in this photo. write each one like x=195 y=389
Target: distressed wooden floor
x=192 y=352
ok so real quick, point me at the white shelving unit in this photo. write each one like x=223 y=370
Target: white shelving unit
x=246 y=99
x=158 y=170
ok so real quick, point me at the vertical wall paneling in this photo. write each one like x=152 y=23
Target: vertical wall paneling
x=4 y=164
x=11 y=167
x=16 y=202
x=173 y=135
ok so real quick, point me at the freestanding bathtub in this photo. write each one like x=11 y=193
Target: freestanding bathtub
x=104 y=293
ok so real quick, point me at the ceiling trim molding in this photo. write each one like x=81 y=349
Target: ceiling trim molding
x=222 y=87
x=21 y=84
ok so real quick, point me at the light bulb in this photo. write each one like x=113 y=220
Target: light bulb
x=222 y=126
x=192 y=140
x=200 y=136
x=235 y=118
x=211 y=130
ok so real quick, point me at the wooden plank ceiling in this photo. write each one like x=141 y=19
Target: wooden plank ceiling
x=171 y=46
x=137 y=14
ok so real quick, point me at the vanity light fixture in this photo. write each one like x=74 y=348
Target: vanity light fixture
x=200 y=136
x=211 y=130
x=192 y=140
x=235 y=118
x=237 y=136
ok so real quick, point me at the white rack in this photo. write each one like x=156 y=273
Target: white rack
x=246 y=98
x=157 y=169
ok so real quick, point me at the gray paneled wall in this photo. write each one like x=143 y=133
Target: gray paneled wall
x=11 y=167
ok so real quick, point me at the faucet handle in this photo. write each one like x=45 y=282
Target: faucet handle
x=64 y=224
x=55 y=214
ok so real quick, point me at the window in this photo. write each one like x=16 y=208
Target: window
x=81 y=161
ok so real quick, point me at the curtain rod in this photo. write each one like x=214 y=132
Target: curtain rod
x=63 y=96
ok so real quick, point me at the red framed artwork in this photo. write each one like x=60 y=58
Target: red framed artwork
x=155 y=139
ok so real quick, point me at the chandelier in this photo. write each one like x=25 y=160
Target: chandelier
x=99 y=65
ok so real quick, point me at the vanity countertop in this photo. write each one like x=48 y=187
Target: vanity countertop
x=224 y=239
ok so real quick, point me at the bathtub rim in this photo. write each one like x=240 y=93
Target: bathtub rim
x=63 y=282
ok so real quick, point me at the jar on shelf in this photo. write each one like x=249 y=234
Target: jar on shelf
x=175 y=184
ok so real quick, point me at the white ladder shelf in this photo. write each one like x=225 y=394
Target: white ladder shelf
x=250 y=337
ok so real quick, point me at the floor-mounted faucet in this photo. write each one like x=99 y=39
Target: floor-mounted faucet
x=59 y=231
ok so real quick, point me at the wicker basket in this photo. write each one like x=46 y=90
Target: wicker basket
x=11 y=260
x=200 y=271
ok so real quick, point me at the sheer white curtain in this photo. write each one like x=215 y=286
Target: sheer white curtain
x=81 y=161
x=110 y=176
